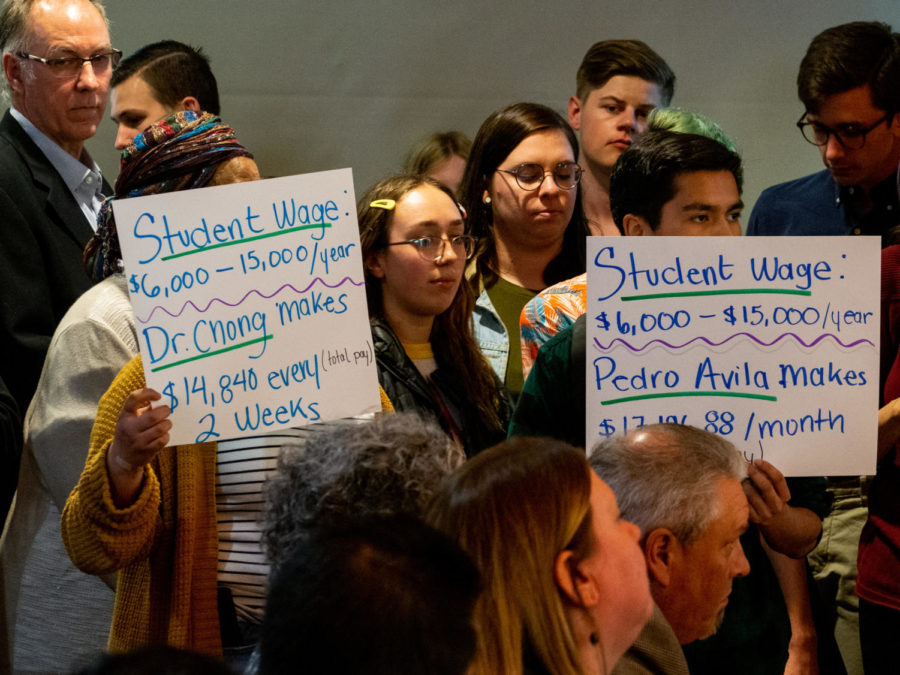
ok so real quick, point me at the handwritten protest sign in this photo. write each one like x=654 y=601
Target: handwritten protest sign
x=771 y=342
x=249 y=304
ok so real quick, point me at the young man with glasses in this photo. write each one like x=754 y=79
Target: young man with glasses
x=57 y=61
x=849 y=83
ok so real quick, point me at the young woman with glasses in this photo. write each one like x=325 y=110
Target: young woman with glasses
x=520 y=189
x=415 y=246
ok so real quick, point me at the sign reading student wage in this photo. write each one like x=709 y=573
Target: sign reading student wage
x=771 y=342
x=249 y=304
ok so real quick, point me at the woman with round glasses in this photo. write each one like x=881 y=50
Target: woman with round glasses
x=415 y=247
x=520 y=189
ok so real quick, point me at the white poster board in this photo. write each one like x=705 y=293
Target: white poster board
x=250 y=305
x=771 y=342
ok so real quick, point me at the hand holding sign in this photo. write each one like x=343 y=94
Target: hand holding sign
x=141 y=432
x=250 y=304
x=766 y=490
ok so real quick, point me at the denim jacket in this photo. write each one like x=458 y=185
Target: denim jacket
x=490 y=333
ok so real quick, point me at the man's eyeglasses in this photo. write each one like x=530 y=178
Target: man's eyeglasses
x=531 y=175
x=71 y=66
x=851 y=136
x=432 y=248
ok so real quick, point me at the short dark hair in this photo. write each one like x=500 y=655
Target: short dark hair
x=643 y=178
x=848 y=56
x=382 y=595
x=606 y=59
x=174 y=71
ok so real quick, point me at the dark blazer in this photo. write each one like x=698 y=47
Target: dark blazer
x=10 y=449
x=42 y=236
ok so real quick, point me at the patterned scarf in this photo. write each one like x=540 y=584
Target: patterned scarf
x=181 y=152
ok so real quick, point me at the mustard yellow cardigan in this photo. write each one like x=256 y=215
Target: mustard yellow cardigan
x=164 y=546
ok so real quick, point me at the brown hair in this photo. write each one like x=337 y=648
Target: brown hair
x=435 y=148
x=173 y=71
x=606 y=59
x=498 y=136
x=451 y=338
x=514 y=508
x=848 y=56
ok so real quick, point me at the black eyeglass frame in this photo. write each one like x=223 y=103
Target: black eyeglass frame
x=857 y=132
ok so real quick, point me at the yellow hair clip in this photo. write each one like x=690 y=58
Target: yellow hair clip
x=386 y=204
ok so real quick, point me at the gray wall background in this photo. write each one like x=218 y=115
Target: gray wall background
x=315 y=86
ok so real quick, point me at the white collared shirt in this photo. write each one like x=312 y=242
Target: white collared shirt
x=84 y=183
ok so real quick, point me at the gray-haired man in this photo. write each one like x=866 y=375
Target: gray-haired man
x=682 y=487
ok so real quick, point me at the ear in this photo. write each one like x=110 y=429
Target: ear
x=12 y=68
x=575 y=585
x=635 y=226
x=190 y=103
x=895 y=125
x=661 y=550
x=375 y=265
x=575 y=112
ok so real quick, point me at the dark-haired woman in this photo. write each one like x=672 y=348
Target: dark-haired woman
x=520 y=189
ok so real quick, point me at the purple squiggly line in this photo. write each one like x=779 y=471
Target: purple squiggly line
x=636 y=350
x=206 y=309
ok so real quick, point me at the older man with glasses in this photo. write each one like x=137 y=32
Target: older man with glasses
x=57 y=60
x=849 y=84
